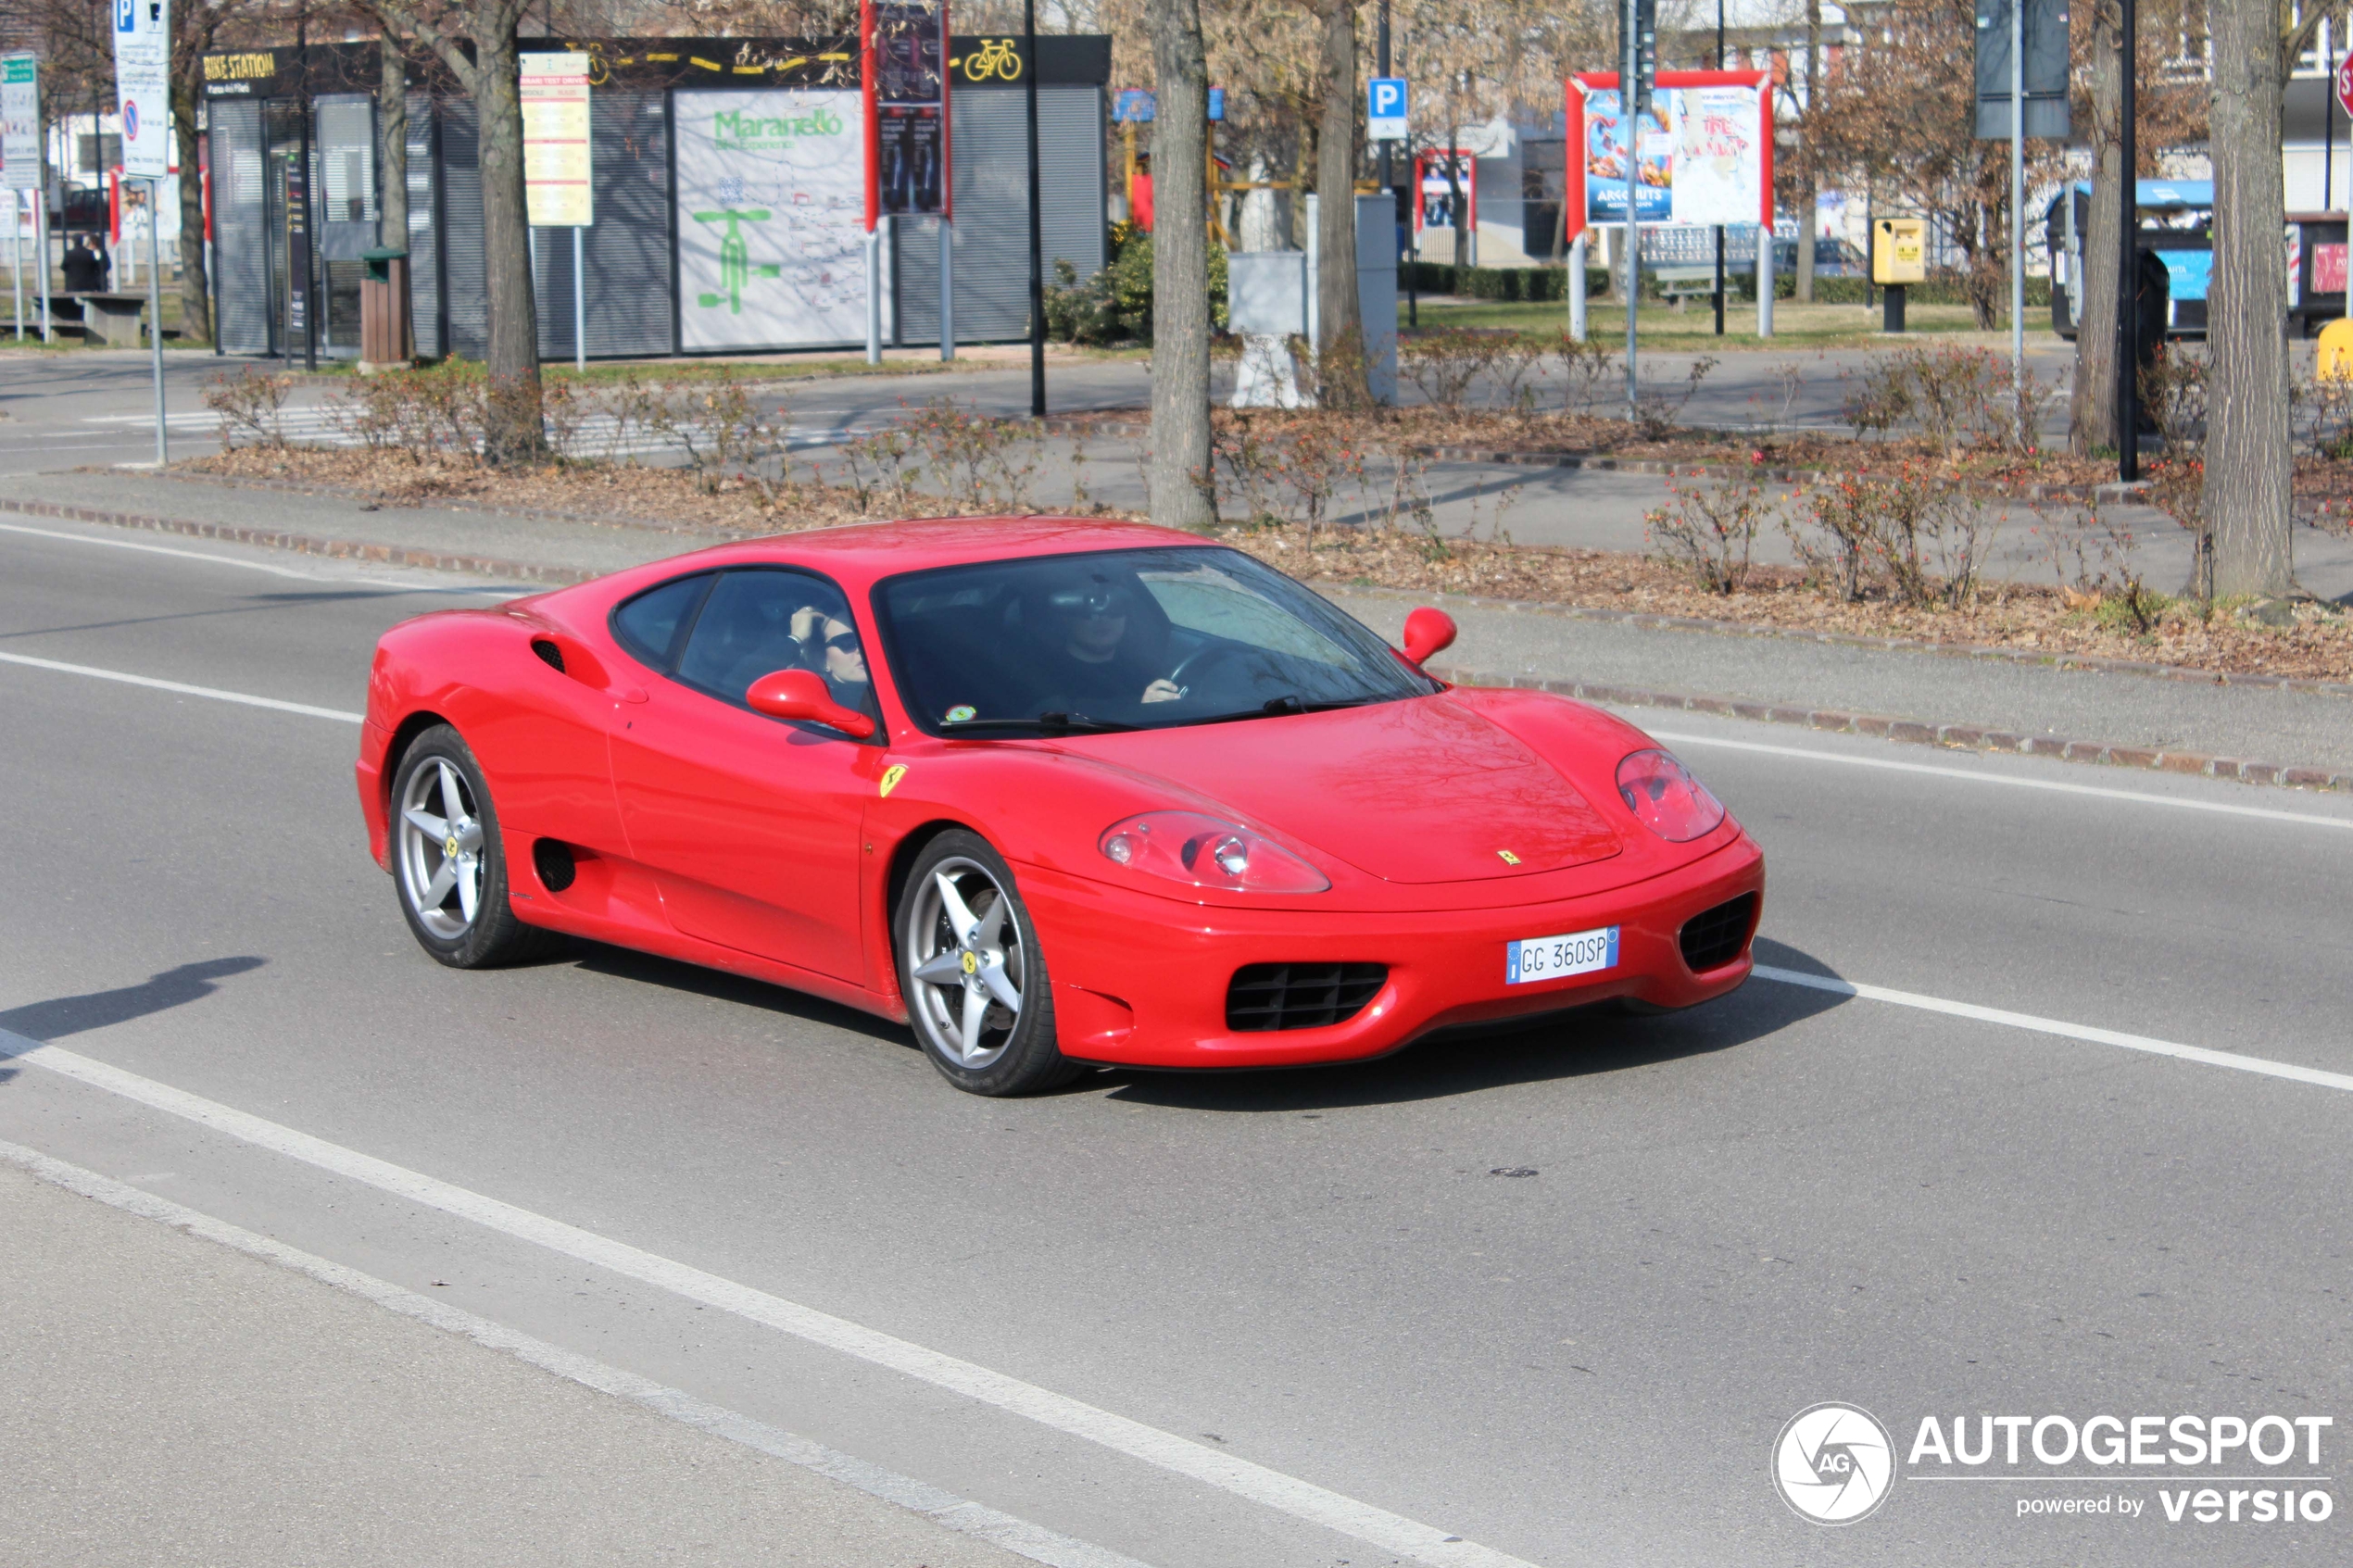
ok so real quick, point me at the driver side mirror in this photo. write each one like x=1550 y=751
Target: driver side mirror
x=1427 y=631
x=802 y=694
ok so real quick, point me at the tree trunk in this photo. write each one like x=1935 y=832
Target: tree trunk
x=1809 y=179
x=512 y=431
x=195 y=290
x=1340 y=360
x=2248 y=461
x=392 y=137
x=2092 y=408
x=1182 y=486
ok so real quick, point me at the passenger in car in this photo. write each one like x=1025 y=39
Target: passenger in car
x=831 y=647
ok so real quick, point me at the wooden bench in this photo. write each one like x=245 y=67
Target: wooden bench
x=107 y=317
x=1679 y=284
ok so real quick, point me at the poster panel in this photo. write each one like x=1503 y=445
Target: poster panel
x=19 y=122
x=1717 y=173
x=557 y=189
x=143 y=85
x=772 y=210
x=1606 y=161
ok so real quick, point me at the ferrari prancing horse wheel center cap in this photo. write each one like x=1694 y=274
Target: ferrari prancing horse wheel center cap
x=970 y=962
x=450 y=846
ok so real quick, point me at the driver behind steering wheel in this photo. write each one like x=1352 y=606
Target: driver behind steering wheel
x=1102 y=638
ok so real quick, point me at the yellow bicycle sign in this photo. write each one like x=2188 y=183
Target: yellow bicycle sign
x=999 y=57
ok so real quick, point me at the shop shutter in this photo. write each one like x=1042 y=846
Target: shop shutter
x=626 y=251
x=991 y=239
x=240 y=227
x=466 y=305
x=424 y=230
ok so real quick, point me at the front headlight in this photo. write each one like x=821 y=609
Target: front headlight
x=1203 y=851
x=1664 y=795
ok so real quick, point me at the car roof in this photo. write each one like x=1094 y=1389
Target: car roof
x=859 y=555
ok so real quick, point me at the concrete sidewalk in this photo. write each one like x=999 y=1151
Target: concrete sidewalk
x=166 y=1400
x=2100 y=710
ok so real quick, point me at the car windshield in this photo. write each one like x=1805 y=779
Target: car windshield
x=1126 y=639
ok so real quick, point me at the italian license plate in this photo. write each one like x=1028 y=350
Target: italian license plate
x=1551 y=958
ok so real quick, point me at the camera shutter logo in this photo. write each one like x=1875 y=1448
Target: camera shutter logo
x=1835 y=1464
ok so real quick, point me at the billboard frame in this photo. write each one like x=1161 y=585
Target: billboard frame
x=1576 y=220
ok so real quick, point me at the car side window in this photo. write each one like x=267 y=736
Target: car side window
x=759 y=620
x=647 y=625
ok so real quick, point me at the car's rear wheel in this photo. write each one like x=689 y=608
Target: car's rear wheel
x=449 y=861
x=970 y=969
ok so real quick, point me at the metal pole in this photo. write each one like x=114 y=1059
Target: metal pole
x=16 y=254
x=1629 y=71
x=310 y=232
x=946 y=289
x=154 y=314
x=2128 y=268
x=41 y=258
x=1382 y=45
x=874 y=294
x=1719 y=227
x=2328 y=115
x=1036 y=219
x=1577 y=253
x=2018 y=211
x=579 y=304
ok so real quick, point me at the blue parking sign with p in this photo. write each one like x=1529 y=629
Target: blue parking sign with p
x=1385 y=97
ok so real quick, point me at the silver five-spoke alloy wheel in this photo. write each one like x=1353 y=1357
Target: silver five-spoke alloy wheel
x=441 y=850
x=966 y=955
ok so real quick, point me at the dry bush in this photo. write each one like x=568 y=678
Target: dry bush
x=2093 y=558
x=1585 y=365
x=1911 y=536
x=1951 y=395
x=1287 y=469
x=436 y=415
x=1709 y=532
x=250 y=405
x=1658 y=405
x=984 y=464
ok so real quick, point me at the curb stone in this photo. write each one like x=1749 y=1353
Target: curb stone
x=1919 y=732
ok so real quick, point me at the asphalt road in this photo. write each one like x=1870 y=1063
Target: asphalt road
x=1553 y=1293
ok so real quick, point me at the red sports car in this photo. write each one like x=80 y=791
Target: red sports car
x=1058 y=792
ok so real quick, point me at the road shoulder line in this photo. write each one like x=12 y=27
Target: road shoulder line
x=2263 y=1066
x=943 y=1508
x=1227 y=1472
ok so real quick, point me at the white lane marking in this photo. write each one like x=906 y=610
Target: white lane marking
x=961 y=1514
x=2058 y=1026
x=1195 y=1461
x=160 y=550
x=217 y=695
x=2264 y=812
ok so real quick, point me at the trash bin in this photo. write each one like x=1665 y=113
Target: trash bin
x=386 y=340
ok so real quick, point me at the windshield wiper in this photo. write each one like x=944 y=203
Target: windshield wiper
x=1046 y=723
x=1274 y=707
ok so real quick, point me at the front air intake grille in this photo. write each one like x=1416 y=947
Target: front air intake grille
x=1300 y=995
x=1714 y=937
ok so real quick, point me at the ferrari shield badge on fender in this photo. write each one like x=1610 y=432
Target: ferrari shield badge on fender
x=892 y=775
x=1509 y=859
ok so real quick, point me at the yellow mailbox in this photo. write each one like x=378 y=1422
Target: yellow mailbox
x=1899 y=250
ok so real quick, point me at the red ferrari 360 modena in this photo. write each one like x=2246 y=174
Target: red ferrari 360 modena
x=1057 y=792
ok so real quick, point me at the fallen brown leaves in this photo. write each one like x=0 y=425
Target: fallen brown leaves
x=2318 y=645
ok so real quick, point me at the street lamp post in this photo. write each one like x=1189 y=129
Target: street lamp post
x=1036 y=228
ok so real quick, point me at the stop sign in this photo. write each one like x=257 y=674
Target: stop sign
x=2345 y=84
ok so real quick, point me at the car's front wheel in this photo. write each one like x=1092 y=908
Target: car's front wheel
x=449 y=861
x=970 y=969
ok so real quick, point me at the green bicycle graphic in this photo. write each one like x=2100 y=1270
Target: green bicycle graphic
x=736 y=266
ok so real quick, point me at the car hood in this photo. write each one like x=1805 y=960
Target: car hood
x=1416 y=792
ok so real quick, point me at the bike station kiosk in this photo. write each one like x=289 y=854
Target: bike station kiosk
x=730 y=198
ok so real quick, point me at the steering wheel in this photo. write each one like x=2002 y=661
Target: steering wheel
x=1209 y=653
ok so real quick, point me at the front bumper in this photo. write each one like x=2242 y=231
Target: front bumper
x=1141 y=980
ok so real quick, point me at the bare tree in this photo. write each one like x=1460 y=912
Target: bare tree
x=2247 y=502
x=1341 y=371
x=2092 y=409
x=513 y=431
x=1180 y=480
